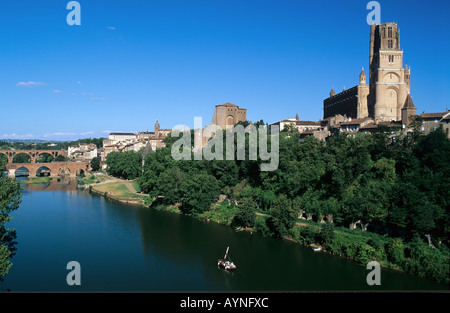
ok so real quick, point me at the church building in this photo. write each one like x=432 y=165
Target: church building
x=388 y=91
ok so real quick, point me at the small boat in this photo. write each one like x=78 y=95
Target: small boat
x=226 y=262
x=318 y=249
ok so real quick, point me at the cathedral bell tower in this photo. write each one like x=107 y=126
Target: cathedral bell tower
x=157 y=128
x=389 y=81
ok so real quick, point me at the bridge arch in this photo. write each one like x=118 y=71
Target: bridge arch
x=43 y=171
x=64 y=171
x=54 y=168
x=53 y=153
x=34 y=154
x=23 y=171
x=21 y=157
x=44 y=157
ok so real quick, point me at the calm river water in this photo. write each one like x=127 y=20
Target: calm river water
x=128 y=248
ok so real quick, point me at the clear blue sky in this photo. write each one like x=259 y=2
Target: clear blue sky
x=133 y=62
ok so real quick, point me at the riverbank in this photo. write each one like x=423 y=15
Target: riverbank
x=414 y=257
x=38 y=180
x=113 y=188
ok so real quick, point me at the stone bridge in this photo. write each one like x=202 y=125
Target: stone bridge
x=71 y=169
x=34 y=154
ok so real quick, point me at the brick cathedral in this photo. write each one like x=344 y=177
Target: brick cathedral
x=387 y=96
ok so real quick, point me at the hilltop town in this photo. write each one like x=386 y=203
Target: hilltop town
x=385 y=103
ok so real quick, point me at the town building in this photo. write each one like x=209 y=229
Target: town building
x=227 y=115
x=431 y=121
x=305 y=128
x=83 y=152
x=135 y=141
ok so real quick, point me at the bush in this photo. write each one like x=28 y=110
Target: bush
x=326 y=235
x=395 y=251
x=379 y=250
x=262 y=227
x=425 y=261
x=308 y=235
x=246 y=213
x=364 y=253
x=223 y=214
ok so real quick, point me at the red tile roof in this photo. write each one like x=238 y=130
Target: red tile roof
x=433 y=115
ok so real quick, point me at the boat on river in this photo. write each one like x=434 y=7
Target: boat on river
x=226 y=262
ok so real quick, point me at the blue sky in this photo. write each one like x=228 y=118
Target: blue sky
x=133 y=62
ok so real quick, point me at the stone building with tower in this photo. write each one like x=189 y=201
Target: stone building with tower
x=388 y=90
x=227 y=115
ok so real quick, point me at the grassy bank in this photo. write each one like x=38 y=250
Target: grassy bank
x=118 y=190
x=114 y=188
x=38 y=180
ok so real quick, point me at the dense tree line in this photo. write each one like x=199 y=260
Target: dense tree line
x=126 y=165
x=10 y=199
x=43 y=145
x=396 y=186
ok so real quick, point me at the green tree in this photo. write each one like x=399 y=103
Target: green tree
x=416 y=125
x=364 y=253
x=10 y=199
x=127 y=165
x=246 y=214
x=198 y=193
x=283 y=216
x=22 y=158
x=327 y=234
x=3 y=162
x=226 y=172
x=61 y=158
x=309 y=235
x=95 y=164
x=169 y=185
x=395 y=251
x=154 y=164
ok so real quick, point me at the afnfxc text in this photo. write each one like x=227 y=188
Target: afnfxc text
x=228 y=303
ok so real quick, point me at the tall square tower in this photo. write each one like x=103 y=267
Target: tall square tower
x=389 y=81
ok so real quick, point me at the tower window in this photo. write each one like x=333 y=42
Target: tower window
x=389 y=32
x=391 y=59
x=390 y=44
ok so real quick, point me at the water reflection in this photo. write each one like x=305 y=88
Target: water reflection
x=58 y=183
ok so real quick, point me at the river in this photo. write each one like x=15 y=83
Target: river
x=130 y=248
